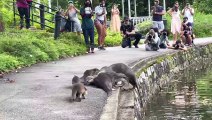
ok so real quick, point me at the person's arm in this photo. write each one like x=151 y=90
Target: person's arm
x=146 y=40
x=170 y=12
x=183 y=11
x=76 y=9
x=132 y=32
x=191 y=11
x=161 y=13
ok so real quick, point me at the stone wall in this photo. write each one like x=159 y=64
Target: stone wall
x=153 y=73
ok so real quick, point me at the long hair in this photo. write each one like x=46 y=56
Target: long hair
x=86 y=5
x=174 y=8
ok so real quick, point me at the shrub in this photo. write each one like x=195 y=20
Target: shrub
x=144 y=27
x=8 y=62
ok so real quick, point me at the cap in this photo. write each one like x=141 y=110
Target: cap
x=185 y=18
x=156 y=0
x=126 y=18
x=70 y=1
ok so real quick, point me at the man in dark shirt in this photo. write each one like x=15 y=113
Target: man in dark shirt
x=157 y=13
x=128 y=32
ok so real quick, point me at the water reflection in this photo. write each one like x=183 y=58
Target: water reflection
x=187 y=97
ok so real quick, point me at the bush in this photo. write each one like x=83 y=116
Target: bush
x=113 y=39
x=8 y=62
x=144 y=27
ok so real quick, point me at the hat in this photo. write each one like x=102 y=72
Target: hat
x=126 y=18
x=70 y=1
x=156 y=0
x=185 y=18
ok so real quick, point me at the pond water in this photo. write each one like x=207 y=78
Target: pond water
x=187 y=97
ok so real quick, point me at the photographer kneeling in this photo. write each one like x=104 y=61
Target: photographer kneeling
x=128 y=33
x=152 y=41
x=186 y=32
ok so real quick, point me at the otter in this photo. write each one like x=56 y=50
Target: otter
x=121 y=68
x=106 y=81
x=78 y=89
x=90 y=72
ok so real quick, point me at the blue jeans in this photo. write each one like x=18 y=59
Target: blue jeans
x=89 y=33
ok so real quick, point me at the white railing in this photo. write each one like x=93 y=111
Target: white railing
x=141 y=19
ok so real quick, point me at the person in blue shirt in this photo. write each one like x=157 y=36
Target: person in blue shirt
x=157 y=13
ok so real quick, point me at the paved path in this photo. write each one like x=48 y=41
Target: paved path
x=37 y=94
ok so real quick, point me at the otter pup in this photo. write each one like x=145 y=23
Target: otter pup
x=78 y=89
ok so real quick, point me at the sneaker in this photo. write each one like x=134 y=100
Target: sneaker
x=102 y=48
x=136 y=46
x=129 y=46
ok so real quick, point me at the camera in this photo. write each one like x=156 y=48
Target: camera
x=185 y=32
x=150 y=37
x=165 y=33
x=102 y=5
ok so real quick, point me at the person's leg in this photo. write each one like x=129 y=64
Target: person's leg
x=160 y=26
x=155 y=24
x=175 y=37
x=137 y=39
x=103 y=35
x=85 y=34
x=128 y=41
x=91 y=34
x=98 y=26
x=189 y=40
x=27 y=17
x=30 y=6
x=148 y=48
x=21 y=14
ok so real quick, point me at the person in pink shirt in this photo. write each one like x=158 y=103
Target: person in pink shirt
x=23 y=9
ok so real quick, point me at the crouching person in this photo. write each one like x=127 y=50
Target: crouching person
x=128 y=33
x=152 y=41
x=164 y=40
x=186 y=32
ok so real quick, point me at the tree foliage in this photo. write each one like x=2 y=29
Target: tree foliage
x=203 y=6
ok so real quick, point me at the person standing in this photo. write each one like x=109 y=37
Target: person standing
x=188 y=12
x=176 y=21
x=157 y=13
x=72 y=17
x=115 y=19
x=23 y=9
x=30 y=5
x=100 y=23
x=88 y=25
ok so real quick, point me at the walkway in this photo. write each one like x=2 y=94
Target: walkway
x=41 y=92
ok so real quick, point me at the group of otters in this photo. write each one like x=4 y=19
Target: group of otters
x=106 y=78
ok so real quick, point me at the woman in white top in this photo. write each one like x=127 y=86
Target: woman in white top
x=100 y=23
x=176 y=21
x=72 y=16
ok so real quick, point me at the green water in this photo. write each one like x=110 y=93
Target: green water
x=187 y=97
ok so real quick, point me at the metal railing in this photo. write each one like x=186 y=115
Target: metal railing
x=137 y=20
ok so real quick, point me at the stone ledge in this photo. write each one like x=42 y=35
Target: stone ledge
x=110 y=110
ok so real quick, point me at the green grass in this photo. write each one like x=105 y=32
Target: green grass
x=19 y=48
